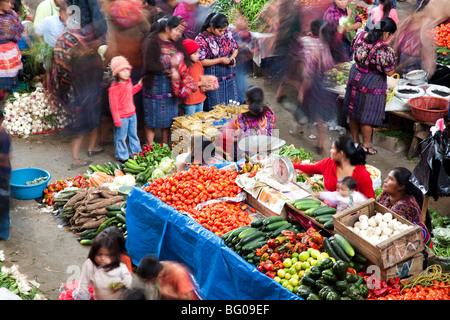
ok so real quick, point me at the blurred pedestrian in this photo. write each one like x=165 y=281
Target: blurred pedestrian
x=93 y=23
x=10 y=57
x=413 y=44
x=75 y=83
x=92 y=20
x=150 y=9
x=316 y=101
x=386 y=9
x=167 y=6
x=127 y=27
x=285 y=66
x=365 y=96
x=145 y=277
x=174 y=280
x=159 y=102
x=342 y=9
x=123 y=111
x=187 y=10
x=244 y=59
x=218 y=51
x=5 y=178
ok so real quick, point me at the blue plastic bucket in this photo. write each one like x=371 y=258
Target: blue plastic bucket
x=19 y=190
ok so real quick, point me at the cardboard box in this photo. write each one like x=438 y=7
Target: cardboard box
x=389 y=143
x=384 y=254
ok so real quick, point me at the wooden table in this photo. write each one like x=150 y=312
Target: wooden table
x=421 y=129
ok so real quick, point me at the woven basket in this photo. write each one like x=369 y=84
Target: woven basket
x=428 y=109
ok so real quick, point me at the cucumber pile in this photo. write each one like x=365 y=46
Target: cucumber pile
x=246 y=239
x=322 y=213
x=114 y=217
x=107 y=167
x=339 y=248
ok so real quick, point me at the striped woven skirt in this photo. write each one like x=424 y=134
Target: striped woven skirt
x=365 y=97
x=228 y=89
x=10 y=65
x=159 y=103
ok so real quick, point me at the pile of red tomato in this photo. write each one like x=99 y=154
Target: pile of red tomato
x=185 y=190
x=222 y=217
x=442 y=35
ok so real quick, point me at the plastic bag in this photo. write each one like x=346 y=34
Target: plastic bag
x=432 y=174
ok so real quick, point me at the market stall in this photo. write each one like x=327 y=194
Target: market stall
x=204 y=217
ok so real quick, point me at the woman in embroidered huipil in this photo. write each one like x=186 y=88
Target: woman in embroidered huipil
x=258 y=120
x=365 y=96
x=218 y=51
x=161 y=48
x=402 y=197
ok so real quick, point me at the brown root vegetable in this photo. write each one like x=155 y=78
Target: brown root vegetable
x=103 y=204
x=91 y=224
x=77 y=197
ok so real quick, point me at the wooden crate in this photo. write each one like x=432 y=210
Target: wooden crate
x=407 y=269
x=384 y=254
x=305 y=220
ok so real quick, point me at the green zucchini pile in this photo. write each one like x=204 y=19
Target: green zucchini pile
x=246 y=239
x=315 y=208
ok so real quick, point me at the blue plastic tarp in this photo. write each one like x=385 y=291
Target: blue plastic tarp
x=221 y=274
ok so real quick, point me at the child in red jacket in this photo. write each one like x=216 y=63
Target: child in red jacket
x=123 y=109
x=194 y=102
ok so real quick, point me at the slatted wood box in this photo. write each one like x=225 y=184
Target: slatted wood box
x=384 y=254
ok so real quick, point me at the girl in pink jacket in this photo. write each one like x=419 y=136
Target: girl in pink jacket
x=123 y=110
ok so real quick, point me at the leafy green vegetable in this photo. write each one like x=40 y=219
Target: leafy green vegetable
x=438 y=221
x=442 y=235
x=36 y=181
x=294 y=153
x=167 y=165
x=399 y=134
x=248 y=8
x=378 y=192
x=157 y=173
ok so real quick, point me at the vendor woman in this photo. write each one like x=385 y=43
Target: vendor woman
x=347 y=159
x=258 y=120
x=218 y=51
x=403 y=198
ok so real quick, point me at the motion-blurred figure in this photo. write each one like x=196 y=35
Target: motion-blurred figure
x=413 y=43
x=284 y=68
x=244 y=64
x=187 y=10
x=75 y=83
x=341 y=9
x=318 y=103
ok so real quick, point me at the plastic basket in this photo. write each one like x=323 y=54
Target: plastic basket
x=428 y=109
x=19 y=190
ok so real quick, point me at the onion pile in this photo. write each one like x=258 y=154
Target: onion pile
x=30 y=113
x=378 y=227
